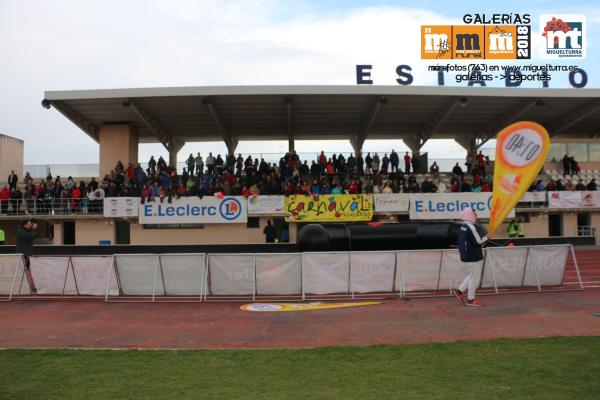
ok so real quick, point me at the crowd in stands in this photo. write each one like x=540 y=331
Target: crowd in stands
x=250 y=176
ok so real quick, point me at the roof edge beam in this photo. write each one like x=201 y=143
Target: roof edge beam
x=81 y=122
x=505 y=119
x=430 y=128
x=230 y=141
x=360 y=137
x=161 y=134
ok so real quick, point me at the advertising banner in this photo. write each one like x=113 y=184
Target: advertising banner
x=391 y=202
x=568 y=199
x=533 y=197
x=449 y=205
x=121 y=206
x=194 y=210
x=266 y=205
x=521 y=149
x=329 y=208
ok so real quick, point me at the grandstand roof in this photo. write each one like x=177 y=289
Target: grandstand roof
x=186 y=114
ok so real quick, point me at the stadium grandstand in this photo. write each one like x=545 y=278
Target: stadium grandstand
x=72 y=206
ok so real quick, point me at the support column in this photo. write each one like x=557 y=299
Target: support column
x=414 y=144
x=291 y=144
x=357 y=144
x=173 y=150
x=231 y=144
x=469 y=144
x=117 y=143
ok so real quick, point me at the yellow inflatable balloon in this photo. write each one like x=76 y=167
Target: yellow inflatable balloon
x=521 y=149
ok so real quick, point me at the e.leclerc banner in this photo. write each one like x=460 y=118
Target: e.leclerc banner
x=521 y=149
x=424 y=206
x=329 y=208
x=195 y=210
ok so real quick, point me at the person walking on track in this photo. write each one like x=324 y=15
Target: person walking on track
x=471 y=254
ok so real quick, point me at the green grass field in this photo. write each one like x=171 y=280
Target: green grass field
x=554 y=368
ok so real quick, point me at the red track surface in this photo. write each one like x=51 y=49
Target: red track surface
x=95 y=324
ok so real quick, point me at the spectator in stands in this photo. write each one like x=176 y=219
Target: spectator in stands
x=4 y=200
x=13 y=179
x=580 y=185
x=394 y=161
x=407 y=161
x=538 y=186
x=569 y=186
x=566 y=161
x=551 y=186
x=559 y=185
x=457 y=170
x=415 y=164
x=360 y=164
x=385 y=162
x=441 y=187
x=27 y=180
x=210 y=163
x=592 y=185
x=427 y=186
x=434 y=170
x=16 y=200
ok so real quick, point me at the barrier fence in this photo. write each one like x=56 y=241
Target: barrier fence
x=294 y=276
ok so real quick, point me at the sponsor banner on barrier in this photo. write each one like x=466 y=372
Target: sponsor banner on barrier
x=533 y=197
x=449 y=205
x=266 y=205
x=194 y=210
x=391 y=202
x=573 y=199
x=121 y=206
x=329 y=208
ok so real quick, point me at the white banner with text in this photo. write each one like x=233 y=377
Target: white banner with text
x=195 y=210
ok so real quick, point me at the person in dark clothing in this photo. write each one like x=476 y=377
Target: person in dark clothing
x=270 y=232
x=12 y=180
x=394 y=161
x=566 y=161
x=592 y=185
x=471 y=255
x=25 y=237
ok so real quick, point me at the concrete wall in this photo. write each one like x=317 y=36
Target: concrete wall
x=11 y=158
x=210 y=234
x=117 y=143
x=92 y=231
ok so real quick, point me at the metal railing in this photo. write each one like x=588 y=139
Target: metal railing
x=51 y=206
x=586 y=230
x=89 y=170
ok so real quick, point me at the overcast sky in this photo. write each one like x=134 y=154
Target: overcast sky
x=75 y=44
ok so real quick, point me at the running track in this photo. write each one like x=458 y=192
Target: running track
x=95 y=324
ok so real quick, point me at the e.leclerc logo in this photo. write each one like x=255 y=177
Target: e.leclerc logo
x=230 y=209
x=429 y=206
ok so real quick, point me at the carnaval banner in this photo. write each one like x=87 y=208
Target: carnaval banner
x=521 y=149
x=329 y=208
